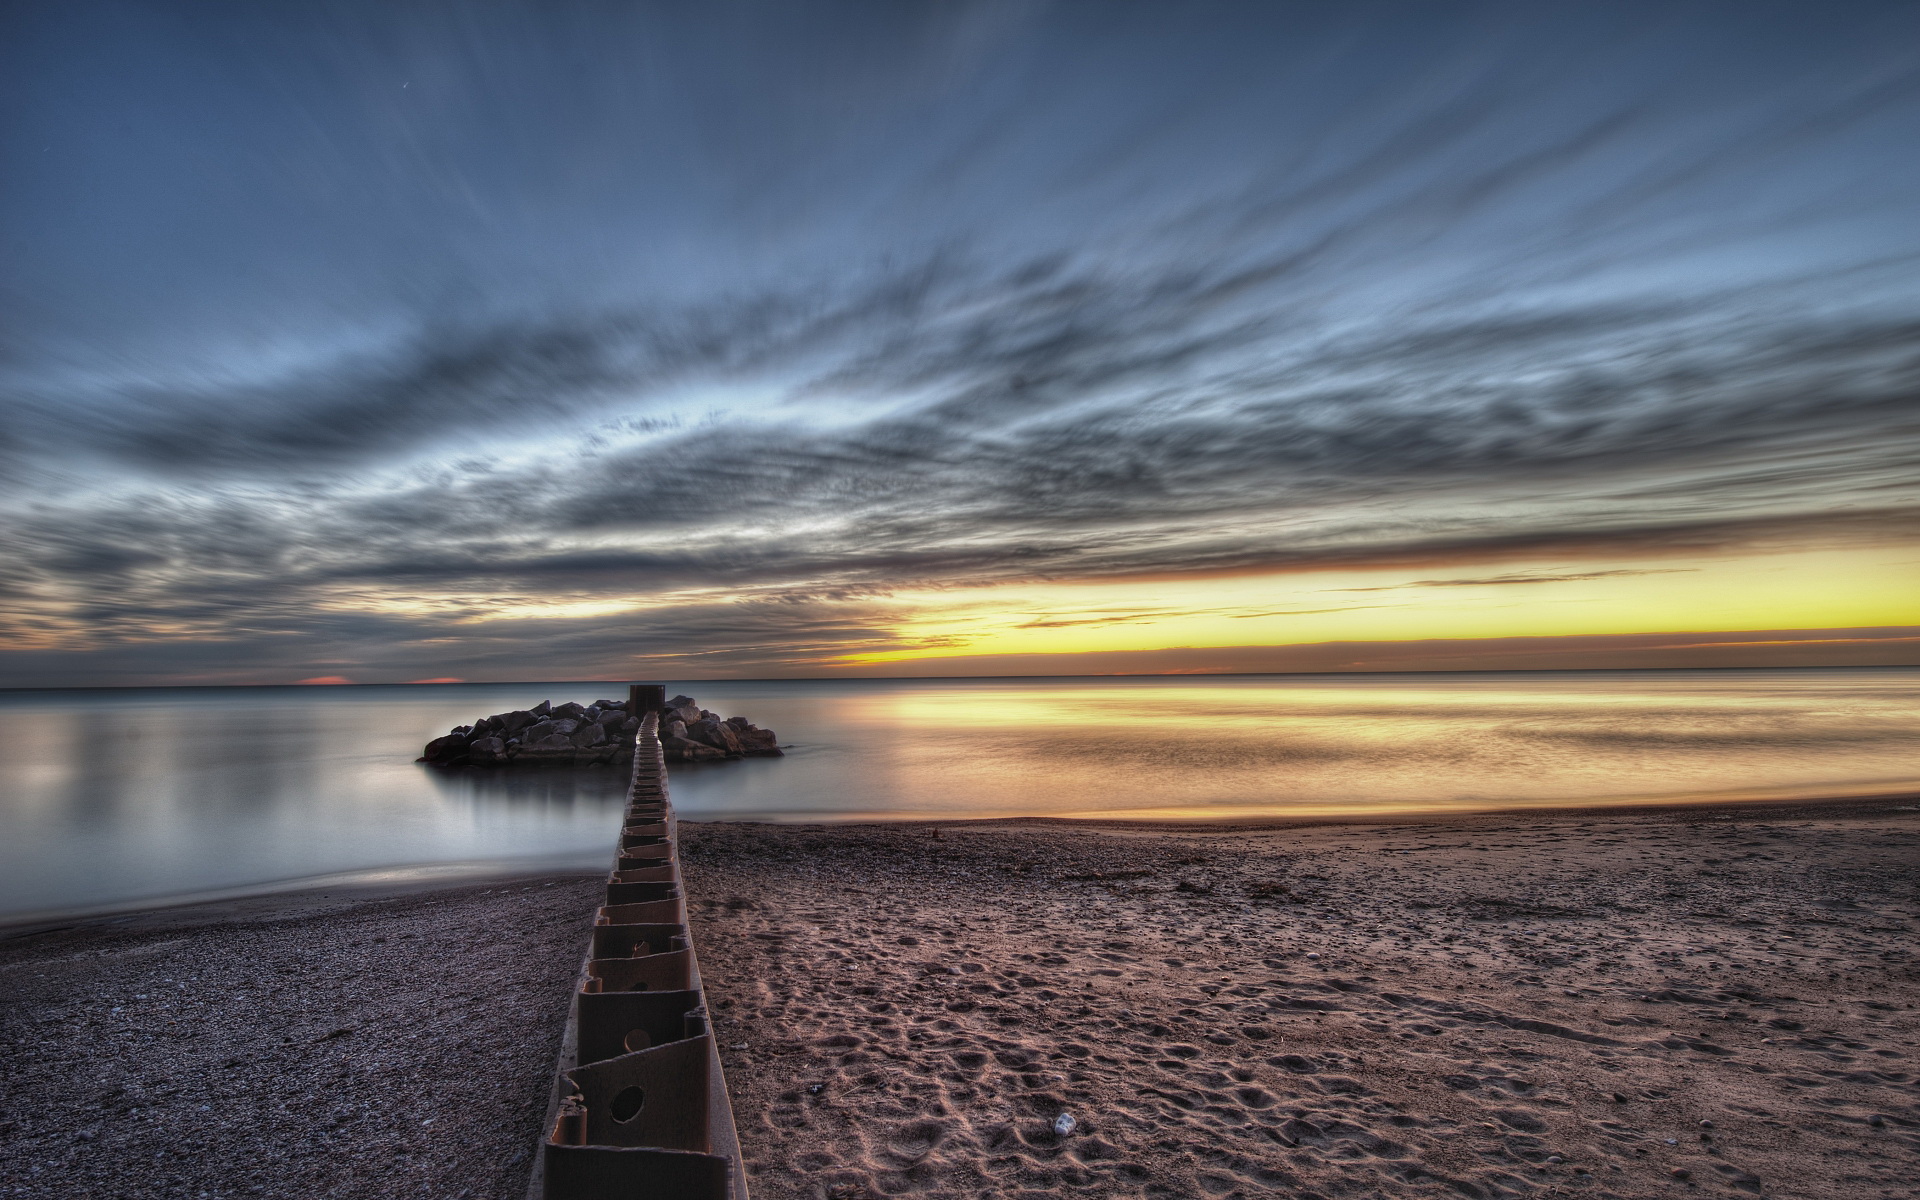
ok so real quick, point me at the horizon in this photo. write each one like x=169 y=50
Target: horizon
x=980 y=340
x=324 y=684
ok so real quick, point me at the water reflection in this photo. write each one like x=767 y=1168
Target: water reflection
x=110 y=796
x=1256 y=746
x=558 y=789
x=114 y=796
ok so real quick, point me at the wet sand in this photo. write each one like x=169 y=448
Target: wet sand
x=1710 y=1002
x=1510 y=1005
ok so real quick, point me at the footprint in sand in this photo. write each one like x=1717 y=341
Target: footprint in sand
x=1524 y=1122
x=911 y=1143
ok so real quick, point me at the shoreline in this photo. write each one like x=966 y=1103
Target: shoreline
x=1490 y=1005
x=244 y=901
x=410 y=879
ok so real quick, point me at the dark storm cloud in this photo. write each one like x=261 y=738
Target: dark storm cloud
x=308 y=309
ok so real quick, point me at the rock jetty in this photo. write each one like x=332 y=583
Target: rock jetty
x=573 y=734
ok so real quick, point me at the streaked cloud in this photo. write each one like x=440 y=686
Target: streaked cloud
x=1516 y=578
x=670 y=335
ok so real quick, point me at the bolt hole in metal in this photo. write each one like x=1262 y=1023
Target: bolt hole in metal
x=637 y=1040
x=626 y=1106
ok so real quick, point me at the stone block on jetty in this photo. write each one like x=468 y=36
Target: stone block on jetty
x=572 y=734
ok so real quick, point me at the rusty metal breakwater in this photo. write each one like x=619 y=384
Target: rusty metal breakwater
x=639 y=1108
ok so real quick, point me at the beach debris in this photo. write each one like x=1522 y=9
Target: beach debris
x=574 y=734
x=1064 y=1124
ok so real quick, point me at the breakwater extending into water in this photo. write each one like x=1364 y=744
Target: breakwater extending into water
x=573 y=734
x=640 y=1106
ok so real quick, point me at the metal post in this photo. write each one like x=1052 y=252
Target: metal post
x=643 y=698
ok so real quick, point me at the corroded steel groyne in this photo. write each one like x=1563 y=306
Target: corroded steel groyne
x=639 y=1108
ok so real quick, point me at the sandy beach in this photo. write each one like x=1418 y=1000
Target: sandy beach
x=1705 y=1002
x=1696 y=1002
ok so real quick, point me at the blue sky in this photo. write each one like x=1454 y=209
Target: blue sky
x=333 y=337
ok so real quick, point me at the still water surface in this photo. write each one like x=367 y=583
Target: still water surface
x=111 y=797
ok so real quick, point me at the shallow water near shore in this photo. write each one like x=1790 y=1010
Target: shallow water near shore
x=115 y=797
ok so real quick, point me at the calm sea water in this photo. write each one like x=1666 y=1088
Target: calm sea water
x=109 y=798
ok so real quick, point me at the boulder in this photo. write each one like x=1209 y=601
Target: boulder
x=679 y=749
x=487 y=751
x=715 y=733
x=515 y=721
x=446 y=749
x=590 y=735
x=569 y=709
x=674 y=729
x=686 y=713
x=534 y=733
x=604 y=705
x=554 y=741
x=542 y=709
x=613 y=718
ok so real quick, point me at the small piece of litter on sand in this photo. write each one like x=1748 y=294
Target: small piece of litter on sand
x=1064 y=1123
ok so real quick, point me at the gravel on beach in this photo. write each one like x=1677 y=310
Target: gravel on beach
x=331 y=1043
x=1709 y=1002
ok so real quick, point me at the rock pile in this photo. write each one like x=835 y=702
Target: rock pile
x=690 y=733
x=601 y=732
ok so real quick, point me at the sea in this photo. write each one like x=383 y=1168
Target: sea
x=123 y=798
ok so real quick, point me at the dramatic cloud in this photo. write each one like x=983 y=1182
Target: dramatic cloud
x=695 y=337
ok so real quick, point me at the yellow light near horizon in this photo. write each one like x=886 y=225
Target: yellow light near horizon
x=1817 y=589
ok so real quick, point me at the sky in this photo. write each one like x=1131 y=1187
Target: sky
x=384 y=342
